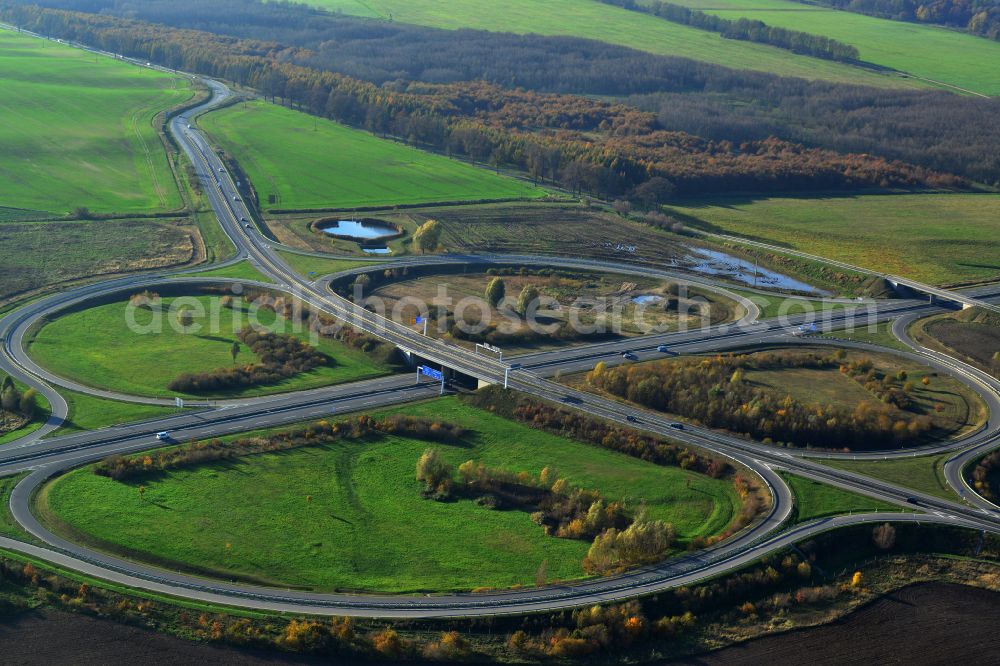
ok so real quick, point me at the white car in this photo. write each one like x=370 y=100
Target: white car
x=163 y=436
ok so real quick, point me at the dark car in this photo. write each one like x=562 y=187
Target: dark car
x=677 y=426
x=631 y=419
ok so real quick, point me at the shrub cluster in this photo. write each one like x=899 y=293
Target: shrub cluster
x=281 y=356
x=713 y=391
x=986 y=476
x=17 y=407
x=192 y=454
x=619 y=541
x=325 y=325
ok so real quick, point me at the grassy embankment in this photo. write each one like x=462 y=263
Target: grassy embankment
x=253 y=518
x=97 y=347
x=818 y=500
x=309 y=162
x=925 y=473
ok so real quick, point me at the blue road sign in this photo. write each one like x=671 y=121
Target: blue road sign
x=418 y=320
x=430 y=372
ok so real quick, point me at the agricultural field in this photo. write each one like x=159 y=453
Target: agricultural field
x=609 y=307
x=51 y=253
x=353 y=498
x=97 y=347
x=932 y=52
x=594 y=20
x=309 y=162
x=78 y=130
x=817 y=500
x=937 y=238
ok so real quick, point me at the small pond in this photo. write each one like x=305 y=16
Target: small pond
x=359 y=230
x=646 y=299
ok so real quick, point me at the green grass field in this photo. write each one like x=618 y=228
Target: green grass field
x=77 y=130
x=937 y=238
x=8 y=526
x=368 y=525
x=314 y=163
x=593 y=20
x=97 y=347
x=925 y=473
x=928 y=51
x=818 y=500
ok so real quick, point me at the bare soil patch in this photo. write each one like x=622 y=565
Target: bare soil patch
x=932 y=623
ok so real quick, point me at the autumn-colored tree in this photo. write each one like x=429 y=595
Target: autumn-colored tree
x=432 y=469
x=428 y=236
x=528 y=296
x=884 y=536
x=495 y=291
x=28 y=405
x=388 y=643
x=857 y=579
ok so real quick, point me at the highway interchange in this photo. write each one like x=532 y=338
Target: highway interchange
x=45 y=456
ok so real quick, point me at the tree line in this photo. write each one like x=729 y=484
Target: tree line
x=745 y=29
x=769 y=591
x=580 y=143
x=979 y=17
x=934 y=129
x=715 y=391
